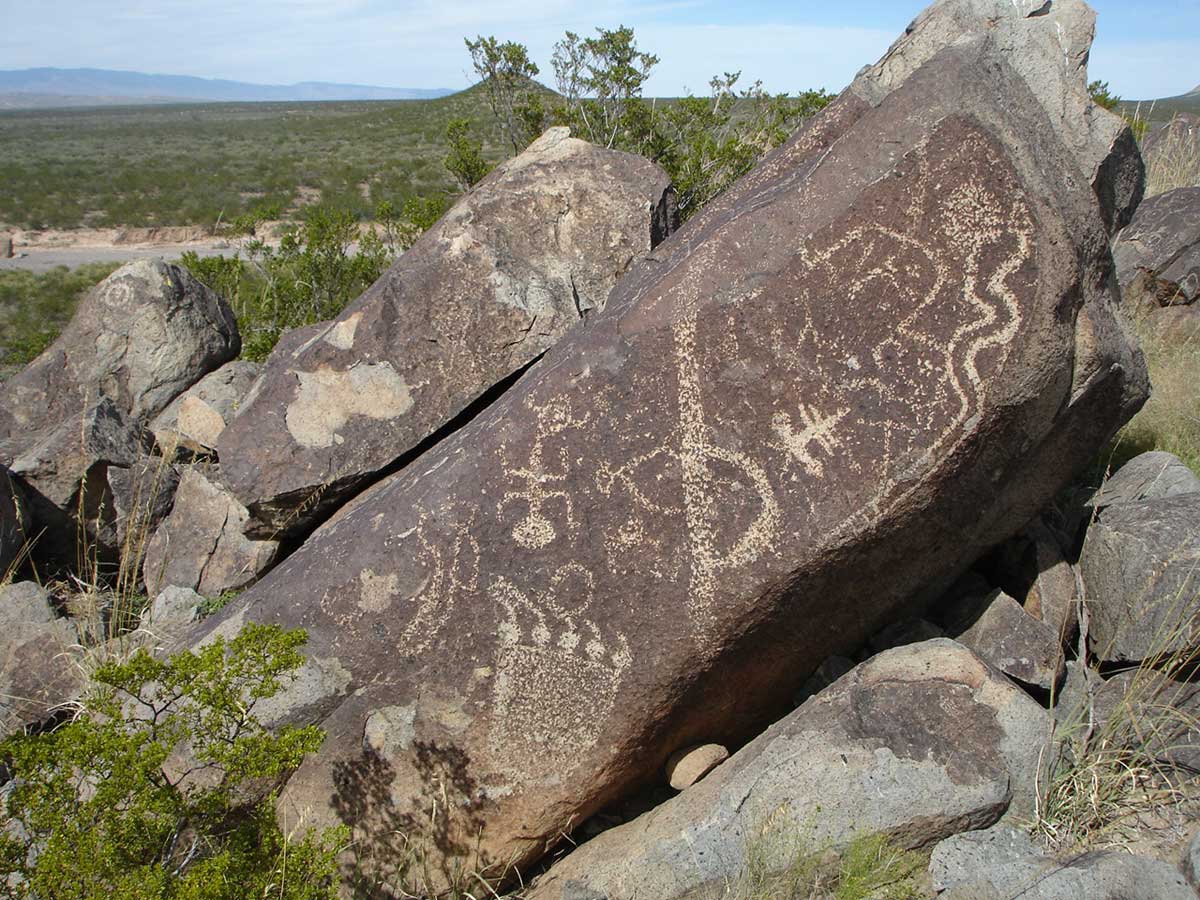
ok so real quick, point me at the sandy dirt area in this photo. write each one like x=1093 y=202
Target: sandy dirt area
x=40 y=251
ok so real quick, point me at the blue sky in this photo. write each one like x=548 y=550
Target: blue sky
x=1147 y=48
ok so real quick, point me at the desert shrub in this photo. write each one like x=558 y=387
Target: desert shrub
x=704 y=143
x=98 y=807
x=34 y=308
x=464 y=160
x=318 y=267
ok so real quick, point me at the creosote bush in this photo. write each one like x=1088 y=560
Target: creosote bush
x=103 y=807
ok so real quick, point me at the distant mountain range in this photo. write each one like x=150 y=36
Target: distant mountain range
x=45 y=87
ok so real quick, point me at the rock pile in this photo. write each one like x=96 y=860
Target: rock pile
x=572 y=507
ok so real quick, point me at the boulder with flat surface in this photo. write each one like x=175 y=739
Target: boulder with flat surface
x=879 y=354
x=1147 y=476
x=528 y=254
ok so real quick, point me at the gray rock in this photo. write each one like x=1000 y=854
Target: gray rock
x=14 y=522
x=1022 y=647
x=1151 y=711
x=39 y=668
x=1053 y=595
x=201 y=546
x=174 y=605
x=65 y=480
x=920 y=742
x=529 y=253
x=1139 y=567
x=1074 y=703
x=1002 y=863
x=196 y=418
x=1147 y=476
x=1163 y=240
x=139 y=498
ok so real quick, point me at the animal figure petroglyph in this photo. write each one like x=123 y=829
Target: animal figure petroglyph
x=557 y=673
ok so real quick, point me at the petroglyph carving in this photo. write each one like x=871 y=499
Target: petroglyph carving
x=544 y=479
x=556 y=674
x=449 y=575
x=697 y=454
x=816 y=430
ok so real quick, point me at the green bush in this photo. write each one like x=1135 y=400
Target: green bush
x=98 y=809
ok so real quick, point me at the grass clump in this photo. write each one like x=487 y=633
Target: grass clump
x=102 y=807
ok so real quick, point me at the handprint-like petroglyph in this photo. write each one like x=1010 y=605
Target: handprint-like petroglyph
x=557 y=673
x=544 y=476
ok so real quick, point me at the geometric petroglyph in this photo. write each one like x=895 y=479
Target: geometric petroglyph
x=557 y=674
x=540 y=490
x=816 y=429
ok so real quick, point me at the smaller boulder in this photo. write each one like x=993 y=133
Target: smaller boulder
x=1163 y=240
x=196 y=418
x=1002 y=863
x=1022 y=647
x=687 y=766
x=200 y=545
x=1139 y=567
x=1149 y=710
x=39 y=668
x=138 y=498
x=1147 y=476
x=1190 y=864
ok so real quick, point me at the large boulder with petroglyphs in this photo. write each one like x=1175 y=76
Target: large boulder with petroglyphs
x=531 y=252
x=880 y=353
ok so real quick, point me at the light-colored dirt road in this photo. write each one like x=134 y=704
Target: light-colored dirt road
x=44 y=259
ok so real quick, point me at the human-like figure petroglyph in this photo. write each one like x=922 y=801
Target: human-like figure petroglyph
x=557 y=673
x=544 y=477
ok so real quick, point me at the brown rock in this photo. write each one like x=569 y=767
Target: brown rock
x=529 y=253
x=687 y=766
x=878 y=355
x=1147 y=476
x=1163 y=243
x=918 y=743
x=1022 y=647
x=200 y=545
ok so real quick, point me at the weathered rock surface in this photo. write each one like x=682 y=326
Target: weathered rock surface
x=1140 y=566
x=1002 y=863
x=879 y=354
x=37 y=667
x=1163 y=240
x=1147 y=476
x=140 y=337
x=200 y=545
x=1191 y=861
x=525 y=256
x=920 y=742
x=196 y=418
x=1022 y=647
x=14 y=521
